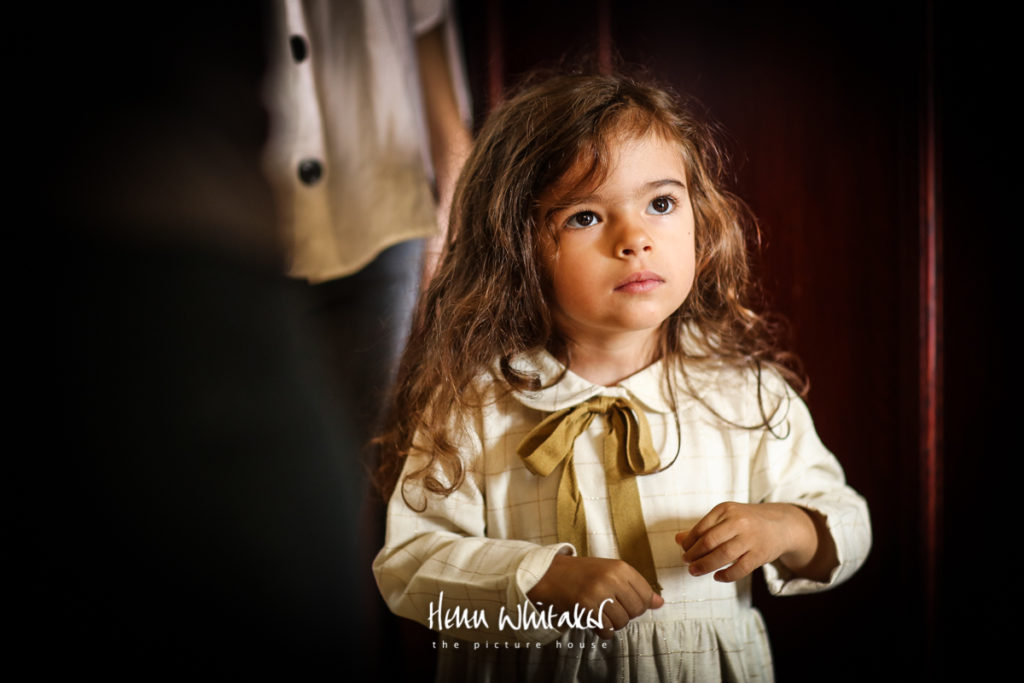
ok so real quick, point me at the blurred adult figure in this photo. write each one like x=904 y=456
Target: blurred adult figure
x=369 y=129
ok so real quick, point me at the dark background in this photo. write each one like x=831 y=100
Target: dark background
x=827 y=115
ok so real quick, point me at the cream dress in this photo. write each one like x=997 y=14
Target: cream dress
x=488 y=543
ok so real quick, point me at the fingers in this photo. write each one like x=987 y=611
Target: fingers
x=614 y=617
x=631 y=597
x=714 y=516
x=612 y=588
x=644 y=593
x=725 y=537
x=713 y=542
x=717 y=556
x=743 y=566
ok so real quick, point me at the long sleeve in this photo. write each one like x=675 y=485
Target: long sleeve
x=793 y=466
x=441 y=547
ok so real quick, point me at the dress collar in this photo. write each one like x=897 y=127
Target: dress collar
x=646 y=386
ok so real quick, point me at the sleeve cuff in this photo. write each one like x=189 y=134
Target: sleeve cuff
x=852 y=538
x=781 y=581
x=533 y=567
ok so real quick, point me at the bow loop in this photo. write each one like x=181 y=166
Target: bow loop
x=551 y=442
x=640 y=454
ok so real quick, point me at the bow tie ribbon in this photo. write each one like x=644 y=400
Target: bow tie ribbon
x=627 y=452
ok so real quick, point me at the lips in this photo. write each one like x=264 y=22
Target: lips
x=638 y=283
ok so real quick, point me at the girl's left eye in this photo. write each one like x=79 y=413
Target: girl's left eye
x=661 y=205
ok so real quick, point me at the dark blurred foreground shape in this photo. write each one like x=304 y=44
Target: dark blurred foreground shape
x=199 y=518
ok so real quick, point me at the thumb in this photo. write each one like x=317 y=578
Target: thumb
x=683 y=538
x=657 y=601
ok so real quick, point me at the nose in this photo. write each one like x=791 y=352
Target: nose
x=632 y=240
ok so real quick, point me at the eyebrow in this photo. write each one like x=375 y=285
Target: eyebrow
x=655 y=184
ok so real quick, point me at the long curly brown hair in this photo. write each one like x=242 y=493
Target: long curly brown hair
x=488 y=300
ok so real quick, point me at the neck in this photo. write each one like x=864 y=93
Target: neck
x=612 y=360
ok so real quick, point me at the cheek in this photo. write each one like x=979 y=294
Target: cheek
x=687 y=248
x=572 y=284
x=687 y=255
x=559 y=277
x=567 y=287
x=546 y=258
x=701 y=248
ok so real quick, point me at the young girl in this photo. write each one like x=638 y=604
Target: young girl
x=594 y=440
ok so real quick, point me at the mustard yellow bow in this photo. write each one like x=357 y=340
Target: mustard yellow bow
x=627 y=452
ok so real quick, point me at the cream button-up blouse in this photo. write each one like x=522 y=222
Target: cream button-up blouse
x=348 y=154
x=489 y=542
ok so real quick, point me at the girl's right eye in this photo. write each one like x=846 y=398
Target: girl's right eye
x=583 y=219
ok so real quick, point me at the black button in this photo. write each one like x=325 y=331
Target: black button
x=310 y=171
x=299 y=49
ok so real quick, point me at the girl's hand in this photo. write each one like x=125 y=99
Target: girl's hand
x=742 y=537
x=589 y=581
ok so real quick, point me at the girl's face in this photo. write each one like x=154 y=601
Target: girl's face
x=623 y=257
